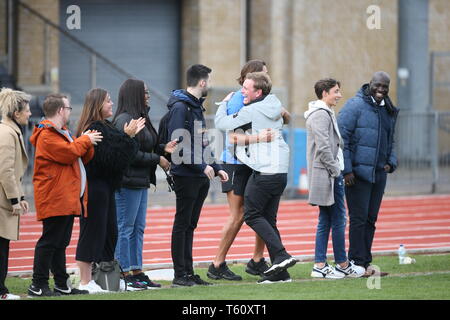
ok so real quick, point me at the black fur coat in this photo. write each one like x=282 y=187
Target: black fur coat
x=112 y=155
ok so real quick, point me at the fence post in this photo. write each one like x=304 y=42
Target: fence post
x=291 y=142
x=93 y=71
x=435 y=151
x=46 y=54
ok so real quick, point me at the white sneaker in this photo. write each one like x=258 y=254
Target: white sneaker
x=92 y=287
x=352 y=270
x=327 y=272
x=9 y=296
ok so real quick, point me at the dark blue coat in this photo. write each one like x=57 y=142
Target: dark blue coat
x=360 y=124
x=184 y=110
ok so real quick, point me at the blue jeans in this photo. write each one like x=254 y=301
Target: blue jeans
x=131 y=213
x=332 y=218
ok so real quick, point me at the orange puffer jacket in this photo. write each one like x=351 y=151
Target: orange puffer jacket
x=57 y=176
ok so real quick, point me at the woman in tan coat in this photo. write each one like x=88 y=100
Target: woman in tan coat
x=15 y=112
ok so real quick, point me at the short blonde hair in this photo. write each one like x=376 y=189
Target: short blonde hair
x=12 y=101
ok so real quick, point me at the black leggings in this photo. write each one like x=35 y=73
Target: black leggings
x=98 y=232
x=4 y=254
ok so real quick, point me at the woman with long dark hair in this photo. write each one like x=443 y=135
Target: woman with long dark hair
x=98 y=231
x=131 y=198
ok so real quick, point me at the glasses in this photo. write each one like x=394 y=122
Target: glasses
x=70 y=108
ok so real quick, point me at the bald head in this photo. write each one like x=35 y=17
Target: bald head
x=379 y=85
x=381 y=76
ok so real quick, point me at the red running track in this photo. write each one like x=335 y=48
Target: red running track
x=419 y=222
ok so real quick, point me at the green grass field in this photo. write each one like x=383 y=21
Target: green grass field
x=428 y=279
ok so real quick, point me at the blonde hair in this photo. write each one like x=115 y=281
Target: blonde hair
x=11 y=101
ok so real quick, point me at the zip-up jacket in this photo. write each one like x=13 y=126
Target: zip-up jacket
x=196 y=153
x=362 y=127
x=57 y=179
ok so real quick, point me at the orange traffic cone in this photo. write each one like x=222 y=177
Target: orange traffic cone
x=303 y=182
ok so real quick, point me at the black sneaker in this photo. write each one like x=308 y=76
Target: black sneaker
x=257 y=268
x=183 y=281
x=280 y=266
x=198 y=281
x=69 y=291
x=133 y=284
x=143 y=278
x=222 y=272
x=34 y=291
x=281 y=277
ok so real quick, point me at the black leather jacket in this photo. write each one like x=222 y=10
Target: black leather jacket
x=141 y=172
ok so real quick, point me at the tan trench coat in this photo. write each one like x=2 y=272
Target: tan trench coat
x=13 y=164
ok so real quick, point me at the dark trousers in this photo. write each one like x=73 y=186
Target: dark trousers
x=4 y=255
x=98 y=232
x=50 y=252
x=363 y=202
x=191 y=193
x=261 y=200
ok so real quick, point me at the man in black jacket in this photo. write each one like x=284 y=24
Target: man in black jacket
x=191 y=169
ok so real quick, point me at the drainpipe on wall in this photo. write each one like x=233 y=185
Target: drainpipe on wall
x=12 y=37
x=244 y=32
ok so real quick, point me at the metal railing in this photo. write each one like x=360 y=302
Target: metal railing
x=95 y=56
x=422 y=146
x=418 y=172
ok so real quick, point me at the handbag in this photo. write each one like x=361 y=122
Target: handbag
x=107 y=275
x=170 y=182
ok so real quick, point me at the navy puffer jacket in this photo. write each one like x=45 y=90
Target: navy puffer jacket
x=360 y=123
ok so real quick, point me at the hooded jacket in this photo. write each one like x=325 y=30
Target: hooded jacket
x=235 y=104
x=323 y=153
x=187 y=121
x=360 y=124
x=57 y=174
x=265 y=157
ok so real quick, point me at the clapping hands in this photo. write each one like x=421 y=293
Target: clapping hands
x=134 y=127
x=94 y=136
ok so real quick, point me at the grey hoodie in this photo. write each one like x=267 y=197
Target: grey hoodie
x=266 y=157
